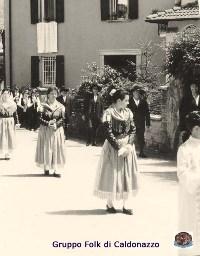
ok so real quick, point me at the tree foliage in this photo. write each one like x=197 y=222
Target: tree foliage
x=183 y=56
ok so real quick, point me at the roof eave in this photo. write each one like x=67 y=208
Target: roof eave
x=163 y=20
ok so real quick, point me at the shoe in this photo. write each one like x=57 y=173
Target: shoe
x=46 y=173
x=87 y=144
x=94 y=144
x=142 y=155
x=56 y=175
x=110 y=209
x=127 y=211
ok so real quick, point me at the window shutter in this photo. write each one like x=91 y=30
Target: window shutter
x=133 y=9
x=60 y=10
x=105 y=10
x=34 y=11
x=60 y=71
x=35 y=71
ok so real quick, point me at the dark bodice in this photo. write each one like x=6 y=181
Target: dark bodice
x=116 y=127
x=47 y=114
x=120 y=127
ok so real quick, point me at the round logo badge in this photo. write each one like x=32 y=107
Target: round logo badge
x=183 y=239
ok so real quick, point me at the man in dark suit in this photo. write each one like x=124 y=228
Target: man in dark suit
x=66 y=100
x=94 y=112
x=141 y=115
x=189 y=103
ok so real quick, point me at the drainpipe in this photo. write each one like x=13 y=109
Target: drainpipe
x=10 y=43
x=4 y=56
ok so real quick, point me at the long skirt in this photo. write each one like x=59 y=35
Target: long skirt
x=189 y=219
x=116 y=175
x=50 y=151
x=7 y=134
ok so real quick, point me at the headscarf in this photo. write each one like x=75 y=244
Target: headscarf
x=9 y=106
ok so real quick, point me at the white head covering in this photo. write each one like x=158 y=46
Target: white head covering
x=9 y=106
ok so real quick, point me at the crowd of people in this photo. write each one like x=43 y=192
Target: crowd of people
x=28 y=102
x=123 y=121
x=50 y=114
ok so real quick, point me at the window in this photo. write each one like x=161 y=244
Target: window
x=47 y=10
x=119 y=10
x=48 y=71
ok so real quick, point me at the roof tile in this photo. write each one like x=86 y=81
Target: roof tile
x=175 y=13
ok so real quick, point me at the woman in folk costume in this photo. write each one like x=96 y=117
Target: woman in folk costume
x=51 y=139
x=188 y=164
x=116 y=175
x=7 y=123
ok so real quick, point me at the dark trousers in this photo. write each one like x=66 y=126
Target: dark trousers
x=140 y=138
x=32 y=118
x=92 y=130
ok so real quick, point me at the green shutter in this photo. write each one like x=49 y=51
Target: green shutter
x=34 y=11
x=133 y=9
x=35 y=71
x=60 y=71
x=105 y=10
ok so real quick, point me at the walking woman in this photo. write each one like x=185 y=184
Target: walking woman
x=7 y=123
x=51 y=139
x=117 y=169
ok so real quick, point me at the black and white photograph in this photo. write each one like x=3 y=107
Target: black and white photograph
x=100 y=127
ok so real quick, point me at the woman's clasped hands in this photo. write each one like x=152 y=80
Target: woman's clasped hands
x=52 y=124
x=125 y=150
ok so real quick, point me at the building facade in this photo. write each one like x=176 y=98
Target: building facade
x=50 y=42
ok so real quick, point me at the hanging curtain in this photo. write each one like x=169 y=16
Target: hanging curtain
x=47 y=37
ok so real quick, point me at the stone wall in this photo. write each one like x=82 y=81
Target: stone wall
x=155 y=101
x=153 y=134
x=164 y=133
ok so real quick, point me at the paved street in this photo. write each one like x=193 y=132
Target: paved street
x=37 y=210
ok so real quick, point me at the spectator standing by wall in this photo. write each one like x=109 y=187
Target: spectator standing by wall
x=141 y=116
x=94 y=112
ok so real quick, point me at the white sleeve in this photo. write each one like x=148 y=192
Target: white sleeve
x=189 y=179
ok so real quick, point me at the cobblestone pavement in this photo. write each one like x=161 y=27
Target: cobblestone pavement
x=37 y=210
